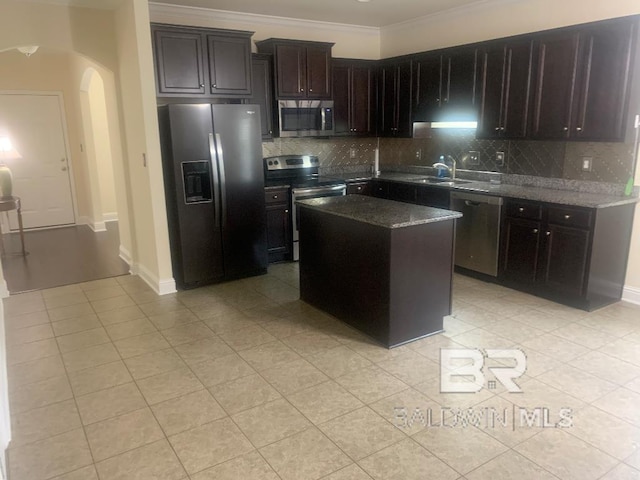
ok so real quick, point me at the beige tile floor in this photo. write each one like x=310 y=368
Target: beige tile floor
x=244 y=381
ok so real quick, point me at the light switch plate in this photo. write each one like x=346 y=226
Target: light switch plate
x=474 y=158
x=500 y=159
x=587 y=163
x=352 y=152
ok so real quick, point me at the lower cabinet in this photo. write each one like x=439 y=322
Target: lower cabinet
x=278 y=224
x=572 y=255
x=359 y=188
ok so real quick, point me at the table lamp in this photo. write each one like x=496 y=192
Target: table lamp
x=7 y=152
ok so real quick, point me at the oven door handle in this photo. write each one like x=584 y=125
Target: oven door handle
x=318 y=190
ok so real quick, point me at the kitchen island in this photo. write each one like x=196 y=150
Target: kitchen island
x=383 y=267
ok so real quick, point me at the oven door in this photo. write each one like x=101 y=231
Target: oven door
x=305 y=194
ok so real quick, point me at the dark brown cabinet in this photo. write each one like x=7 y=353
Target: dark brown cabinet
x=263 y=92
x=278 y=224
x=573 y=255
x=353 y=97
x=445 y=85
x=201 y=62
x=583 y=81
x=359 y=188
x=302 y=69
x=394 y=99
x=505 y=89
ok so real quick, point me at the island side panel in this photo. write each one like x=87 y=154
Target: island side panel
x=421 y=279
x=344 y=270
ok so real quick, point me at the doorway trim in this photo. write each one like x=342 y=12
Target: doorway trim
x=65 y=135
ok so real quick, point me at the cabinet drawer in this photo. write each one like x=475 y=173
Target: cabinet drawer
x=360 y=188
x=524 y=210
x=570 y=216
x=276 y=196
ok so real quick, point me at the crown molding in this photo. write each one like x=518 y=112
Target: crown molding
x=196 y=15
x=450 y=13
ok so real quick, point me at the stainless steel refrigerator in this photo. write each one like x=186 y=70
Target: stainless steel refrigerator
x=214 y=187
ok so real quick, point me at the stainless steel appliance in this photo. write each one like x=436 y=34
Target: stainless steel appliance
x=477 y=232
x=305 y=118
x=300 y=172
x=214 y=186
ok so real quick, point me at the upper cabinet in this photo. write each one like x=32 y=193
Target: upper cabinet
x=445 y=85
x=353 y=97
x=505 y=89
x=583 y=81
x=263 y=92
x=394 y=99
x=302 y=69
x=197 y=62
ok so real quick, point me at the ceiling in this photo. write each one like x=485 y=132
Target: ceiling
x=375 y=13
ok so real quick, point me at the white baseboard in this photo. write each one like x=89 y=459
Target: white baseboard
x=631 y=295
x=95 y=226
x=161 y=287
x=110 y=217
x=4 y=290
x=125 y=255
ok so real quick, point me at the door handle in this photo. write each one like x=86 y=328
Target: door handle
x=469 y=203
x=214 y=171
x=223 y=182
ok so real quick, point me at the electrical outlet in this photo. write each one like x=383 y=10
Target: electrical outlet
x=587 y=163
x=474 y=158
x=418 y=154
x=500 y=159
x=352 y=152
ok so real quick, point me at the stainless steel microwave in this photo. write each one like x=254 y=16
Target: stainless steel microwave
x=305 y=118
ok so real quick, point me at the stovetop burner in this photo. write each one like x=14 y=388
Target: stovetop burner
x=299 y=171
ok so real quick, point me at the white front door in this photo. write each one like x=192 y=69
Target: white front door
x=34 y=125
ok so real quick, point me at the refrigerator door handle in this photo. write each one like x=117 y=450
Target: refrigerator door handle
x=214 y=171
x=223 y=183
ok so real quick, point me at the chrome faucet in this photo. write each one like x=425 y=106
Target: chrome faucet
x=451 y=169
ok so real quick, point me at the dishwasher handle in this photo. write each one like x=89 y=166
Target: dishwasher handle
x=470 y=203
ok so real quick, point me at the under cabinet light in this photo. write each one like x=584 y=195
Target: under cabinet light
x=454 y=124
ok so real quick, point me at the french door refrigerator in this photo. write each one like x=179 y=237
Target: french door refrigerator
x=214 y=187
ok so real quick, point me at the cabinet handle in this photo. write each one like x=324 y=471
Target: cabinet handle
x=497 y=129
x=521 y=209
x=446 y=100
x=437 y=100
x=578 y=129
x=547 y=233
x=565 y=129
x=213 y=85
x=202 y=85
x=567 y=217
x=311 y=89
x=359 y=188
x=275 y=197
x=535 y=230
x=502 y=129
x=302 y=89
x=286 y=211
x=270 y=132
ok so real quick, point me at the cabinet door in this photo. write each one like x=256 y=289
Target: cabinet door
x=389 y=77
x=521 y=248
x=318 y=72
x=492 y=92
x=341 y=99
x=229 y=65
x=262 y=93
x=555 y=84
x=603 y=81
x=433 y=197
x=291 y=71
x=459 y=83
x=402 y=192
x=379 y=189
x=361 y=100
x=517 y=89
x=404 y=124
x=179 y=62
x=278 y=230
x=427 y=88
x=565 y=259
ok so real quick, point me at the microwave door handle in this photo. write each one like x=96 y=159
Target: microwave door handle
x=214 y=171
x=223 y=182
x=323 y=119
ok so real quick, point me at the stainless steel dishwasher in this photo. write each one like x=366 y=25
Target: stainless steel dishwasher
x=477 y=232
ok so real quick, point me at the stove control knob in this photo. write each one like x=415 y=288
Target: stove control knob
x=275 y=162
x=270 y=162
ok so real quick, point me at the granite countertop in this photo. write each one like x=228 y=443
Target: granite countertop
x=549 y=195
x=379 y=212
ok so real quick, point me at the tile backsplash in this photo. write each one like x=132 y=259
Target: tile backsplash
x=611 y=162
